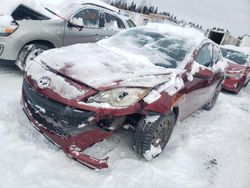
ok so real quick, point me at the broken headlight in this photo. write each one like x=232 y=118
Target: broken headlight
x=120 y=97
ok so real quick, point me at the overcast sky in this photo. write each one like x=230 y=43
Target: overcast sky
x=232 y=15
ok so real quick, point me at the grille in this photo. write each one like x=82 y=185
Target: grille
x=58 y=118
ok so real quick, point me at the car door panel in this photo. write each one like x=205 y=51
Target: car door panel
x=197 y=90
x=196 y=94
x=90 y=32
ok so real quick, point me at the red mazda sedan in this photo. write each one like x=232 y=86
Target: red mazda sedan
x=151 y=77
x=238 y=71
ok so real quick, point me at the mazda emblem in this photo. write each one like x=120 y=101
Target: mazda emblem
x=43 y=82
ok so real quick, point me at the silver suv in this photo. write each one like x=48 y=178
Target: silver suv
x=31 y=32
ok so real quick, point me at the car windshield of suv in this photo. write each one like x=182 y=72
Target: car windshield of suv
x=235 y=56
x=161 y=49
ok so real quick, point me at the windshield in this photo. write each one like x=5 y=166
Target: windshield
x=235 y=56
x=160 y=49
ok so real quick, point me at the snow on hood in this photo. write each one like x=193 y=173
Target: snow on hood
x=96 y=66
x=38 y=5
x=61 y=7
x=5 y=20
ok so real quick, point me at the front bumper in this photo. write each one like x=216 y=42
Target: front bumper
x=231 y=84
x=10 y=48
x=69 y=129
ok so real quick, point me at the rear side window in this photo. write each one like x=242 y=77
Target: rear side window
x=112 y=22
x=204 y=56
x=90 y=17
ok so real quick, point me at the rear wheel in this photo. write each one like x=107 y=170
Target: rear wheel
x=246 y=83
x=152 y=135
x=239 y=87
x=211 y=103
x=29 y=53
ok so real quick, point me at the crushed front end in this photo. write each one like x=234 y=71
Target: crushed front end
x=72 y=130
x=233 y=81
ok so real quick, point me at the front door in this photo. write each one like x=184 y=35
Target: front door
x=92 y=24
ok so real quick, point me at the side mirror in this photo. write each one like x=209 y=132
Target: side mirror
x=76 y=22
x=204 y=74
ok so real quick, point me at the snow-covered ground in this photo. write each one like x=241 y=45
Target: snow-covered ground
x=209 y=149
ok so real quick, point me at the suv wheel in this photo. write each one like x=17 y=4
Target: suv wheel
x=152 y=135
x=28 y=53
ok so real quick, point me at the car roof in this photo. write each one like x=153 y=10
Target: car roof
x=69 y=8
x=175 y=30
x=101 y=4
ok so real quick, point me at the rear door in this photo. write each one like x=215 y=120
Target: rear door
x=218 y=71
x=112 y=24
x=197 y=88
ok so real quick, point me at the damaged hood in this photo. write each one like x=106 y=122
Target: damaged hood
x=98 y=67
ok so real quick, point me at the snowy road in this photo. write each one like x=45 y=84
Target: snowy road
x=210 y=149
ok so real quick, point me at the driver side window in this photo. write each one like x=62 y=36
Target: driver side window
x=90 y=18
x=204 y=56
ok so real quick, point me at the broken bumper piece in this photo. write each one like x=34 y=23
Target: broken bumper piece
x=74 y=146
x=60 y=125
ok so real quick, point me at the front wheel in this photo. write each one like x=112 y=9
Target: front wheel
x=29 y=53
x=152 y=135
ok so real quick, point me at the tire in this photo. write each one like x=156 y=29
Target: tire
x=239 y=87
x=153 y=134
x=28 y=53
x=245 y=85
x=211 y=103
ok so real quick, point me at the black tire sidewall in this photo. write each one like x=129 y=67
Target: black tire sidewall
x=28 y=52
x=210 y=105
x=145 y=131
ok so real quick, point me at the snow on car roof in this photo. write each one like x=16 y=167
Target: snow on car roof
x=161 y=44
x=102 y=4
x=183 y=32
x=37 y=5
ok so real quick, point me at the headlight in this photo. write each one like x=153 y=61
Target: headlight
x=121 y=97
x=7 y=30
